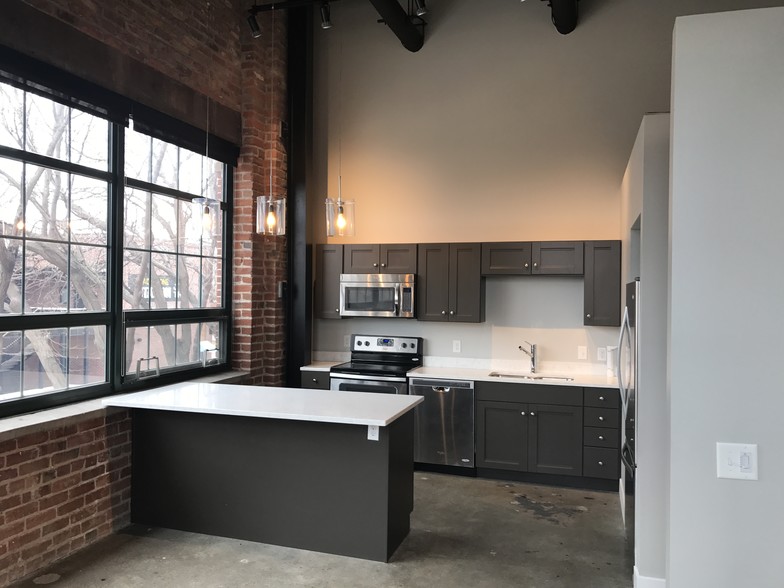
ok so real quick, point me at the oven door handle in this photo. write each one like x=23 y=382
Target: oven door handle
x=344 y=376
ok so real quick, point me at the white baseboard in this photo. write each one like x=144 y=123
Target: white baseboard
x=647 y=581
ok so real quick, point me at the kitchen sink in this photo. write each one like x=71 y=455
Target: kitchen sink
x=539 y=378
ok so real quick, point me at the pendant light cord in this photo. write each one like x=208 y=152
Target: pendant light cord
x=272 y=118
x=340 y=117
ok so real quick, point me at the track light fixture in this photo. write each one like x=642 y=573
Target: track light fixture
x=325 y=21
x=421 y=7
x=255 y=30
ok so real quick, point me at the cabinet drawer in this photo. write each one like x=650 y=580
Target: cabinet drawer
x=601 y=417
x=601 y=463
x=598 y=437
x=313 y=379
x=602 y=397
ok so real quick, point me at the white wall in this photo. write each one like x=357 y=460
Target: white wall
x=644 y=208
x=726 y=297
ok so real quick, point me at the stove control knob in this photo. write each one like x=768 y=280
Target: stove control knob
x=404 y=345
x=367 y=343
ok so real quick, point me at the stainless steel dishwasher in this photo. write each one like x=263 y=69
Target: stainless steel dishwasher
x=444 y=422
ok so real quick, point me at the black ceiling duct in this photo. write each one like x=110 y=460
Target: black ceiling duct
x=564 y=14
x=398 y=20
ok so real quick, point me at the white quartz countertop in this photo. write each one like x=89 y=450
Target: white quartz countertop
x=483 y=375
x=319 y=366
x=326 y=406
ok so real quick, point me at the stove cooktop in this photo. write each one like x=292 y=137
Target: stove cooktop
x=372 y=369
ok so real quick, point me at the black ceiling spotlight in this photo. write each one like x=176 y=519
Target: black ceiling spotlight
x=564 y=15
x=421 y=7
x=325 y=22
x=255 y=31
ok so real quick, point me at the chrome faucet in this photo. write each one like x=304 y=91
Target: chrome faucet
x=530 y=353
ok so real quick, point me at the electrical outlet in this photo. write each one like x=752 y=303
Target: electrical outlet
x=601 y=354
x=456 y=345
x=372 y=432
x=582 y=352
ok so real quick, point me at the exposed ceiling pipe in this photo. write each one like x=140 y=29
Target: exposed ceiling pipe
x=397 y=19
x=564 y=14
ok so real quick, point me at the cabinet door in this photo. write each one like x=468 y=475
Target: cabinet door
x=361 y=259
x=500 y=259
x=399 y=259
x=329 y=265
x=433 y=282
x=555 y=439
x=466 y=285
x=501 y=435
x=314 y=379
x=557 y=258
x=602 y=299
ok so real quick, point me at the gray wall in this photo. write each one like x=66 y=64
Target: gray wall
x=727 y=280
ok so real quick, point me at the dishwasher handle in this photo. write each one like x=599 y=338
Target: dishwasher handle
x=441 y=389
x=446 y=384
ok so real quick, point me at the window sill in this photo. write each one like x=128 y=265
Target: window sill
x=15 y=426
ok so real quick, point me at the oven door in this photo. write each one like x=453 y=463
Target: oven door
x=376 y=384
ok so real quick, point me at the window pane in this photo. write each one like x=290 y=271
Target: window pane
x=211 y=279
x=46 y=208
x=11 y=365
x=164 y=164
x=162 y=344
x=88 y=278
x=45 y=279
x=213 y=179
x=163 y=280
x=189 y=286
x=136 y=219
x=137 y=346
x=136 y=279
x=191 y=221
x=208 y=344
x=89 y=140
x=187 y=344
x=137 y=155
x=47 y=127
x=45 y=359
x=86 y=356
x=10 y=196
x=11 y=117
x=89 y=210
x=164 y=223
x=212 y=237
x=11 y=253
x=190 y=172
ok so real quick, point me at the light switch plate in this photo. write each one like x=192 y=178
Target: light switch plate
x=456 y=345
x=736 y=460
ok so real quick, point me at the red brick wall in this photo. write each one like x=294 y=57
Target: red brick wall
x=62 y=487
x=260 y=261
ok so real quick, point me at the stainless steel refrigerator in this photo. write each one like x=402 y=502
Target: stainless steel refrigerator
x=627 y=383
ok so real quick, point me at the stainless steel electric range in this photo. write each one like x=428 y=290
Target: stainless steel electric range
x=378 y=364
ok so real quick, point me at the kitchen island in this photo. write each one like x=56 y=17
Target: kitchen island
x=320 y=470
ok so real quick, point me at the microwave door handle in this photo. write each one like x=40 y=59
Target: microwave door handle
x=397 y=299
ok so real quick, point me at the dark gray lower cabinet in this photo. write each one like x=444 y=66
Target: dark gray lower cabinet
x=541 y=438
x=314 y=379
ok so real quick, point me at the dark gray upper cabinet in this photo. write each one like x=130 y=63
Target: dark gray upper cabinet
x=384 y=259
x=602 y=296
x=449 y=282
x=557 y=258
x=506 y=259
x=329 y=266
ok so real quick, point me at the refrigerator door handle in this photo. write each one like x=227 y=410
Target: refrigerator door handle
x=624 y=334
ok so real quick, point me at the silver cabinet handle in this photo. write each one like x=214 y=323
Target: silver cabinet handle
x=601 y=398
x=523 y=413
x=383 y=265
x=443 y=312
x=536 y=264
x=337 y=310
x=601 y=418
x=588 y=315
x=601 y=463
x=601 y=437
x=533 y=413
x=452 y=312
x=526 y=264
x=375 y=265
x=315 y=379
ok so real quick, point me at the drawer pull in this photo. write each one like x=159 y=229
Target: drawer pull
x=601 y=437
x=523 y=413
x=601 y=418
x=315 y=379
x=601 y=463
x=533 y=414
x=601 y=397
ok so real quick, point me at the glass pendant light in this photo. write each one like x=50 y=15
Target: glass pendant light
x=271 y=211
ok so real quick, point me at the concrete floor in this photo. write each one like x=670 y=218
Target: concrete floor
x=464 y=532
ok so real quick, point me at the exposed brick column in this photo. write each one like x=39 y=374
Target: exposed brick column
x=260 y=261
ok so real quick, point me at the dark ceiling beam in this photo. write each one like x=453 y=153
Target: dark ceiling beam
x=398 y=20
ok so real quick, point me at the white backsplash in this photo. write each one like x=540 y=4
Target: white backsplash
x=546 y=311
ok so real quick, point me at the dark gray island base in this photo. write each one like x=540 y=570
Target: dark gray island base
x=321 y=486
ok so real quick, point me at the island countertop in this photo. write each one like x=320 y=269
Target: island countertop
x=327 y=406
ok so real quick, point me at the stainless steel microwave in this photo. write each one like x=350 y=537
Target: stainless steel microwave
x=377 y=295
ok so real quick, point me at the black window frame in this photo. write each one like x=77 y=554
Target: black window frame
x=45 y=80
